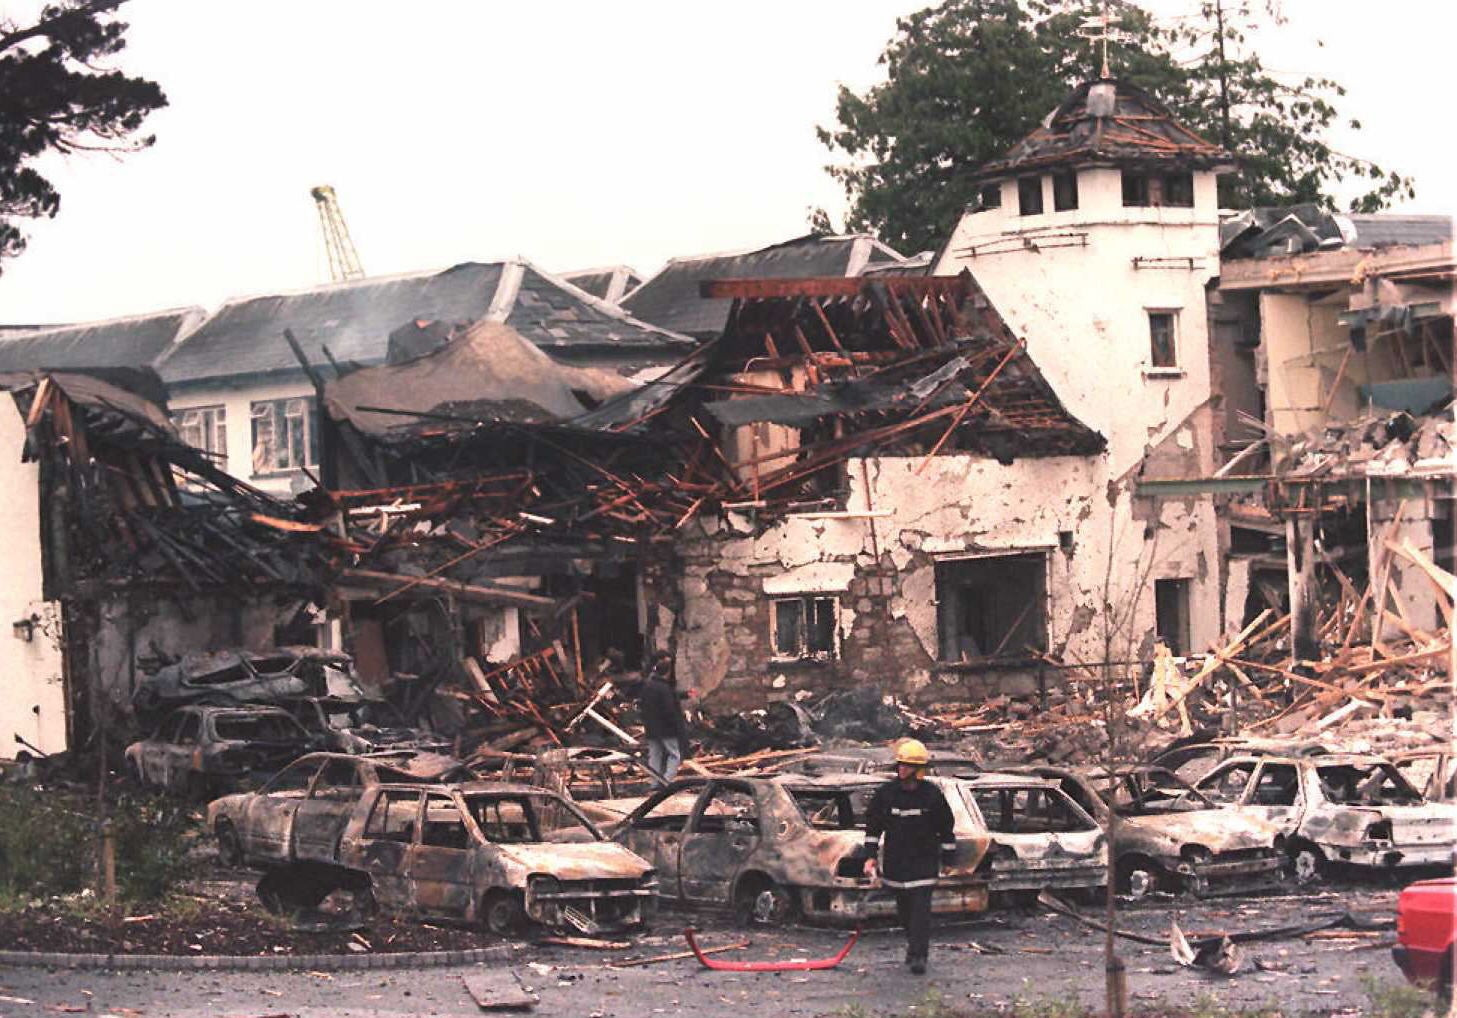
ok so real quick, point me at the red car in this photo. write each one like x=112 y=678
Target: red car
x=1426 y=932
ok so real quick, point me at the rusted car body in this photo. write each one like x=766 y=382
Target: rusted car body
x=1192 y=760
x=1169 y=837
x=300 y=815
x=1040 y=838
x=361 y=726
x=1348 y=809
x=205 y=750
x=480 y=853
x=231 y=677
x=774 y=849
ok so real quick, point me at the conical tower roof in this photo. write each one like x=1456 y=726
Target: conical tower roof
x=1110 y=122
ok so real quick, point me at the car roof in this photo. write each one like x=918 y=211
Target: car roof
x=994 y=779
x=469 y=787
x=213 y=711
x=829 y=781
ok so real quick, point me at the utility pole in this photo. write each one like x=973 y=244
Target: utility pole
x=343 y=259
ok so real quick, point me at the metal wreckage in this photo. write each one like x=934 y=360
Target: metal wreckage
x=483 y=519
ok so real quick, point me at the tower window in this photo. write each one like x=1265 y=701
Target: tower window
x=1135 y=188
x=988 y=196
x=1064 y=191
x=1029 y=196
x=1179 y=190
x=1162 y=337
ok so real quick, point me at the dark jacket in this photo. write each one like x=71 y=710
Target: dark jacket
x=917 y=828
x=661 y=716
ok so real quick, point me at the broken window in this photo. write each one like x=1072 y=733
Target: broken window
x=394 y=816
x=1171 y=614
x=1178 y=190
x=992 y=607
x=503 y=820
x=190 y=730
x=670 y=812
x=1366 y=784
x=1029 y=811
x=1135 y=188
x=1029 y=196
x=260 y=728
x=832 y=809
x=1278 y=785
x=728 y=809
x=205 y=428
x=339 y=781
x=444 y=826
x=989 y=196
x=284 y=435
x=1065 y=191
x=1227 y=785
x=1161 y=337
x=804 y=627
x=293 y=779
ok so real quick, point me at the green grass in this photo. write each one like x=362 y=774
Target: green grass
x=1397 y=1000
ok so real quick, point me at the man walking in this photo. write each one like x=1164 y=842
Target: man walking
x=916 y=821
x=662 y=718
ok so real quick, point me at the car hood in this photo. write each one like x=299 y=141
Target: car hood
x=1220 y=830
x=597 y=860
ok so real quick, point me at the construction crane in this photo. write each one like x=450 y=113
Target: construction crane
x=343 y=259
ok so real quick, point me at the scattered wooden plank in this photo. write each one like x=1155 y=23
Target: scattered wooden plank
x=498 y=990
x=676 y=955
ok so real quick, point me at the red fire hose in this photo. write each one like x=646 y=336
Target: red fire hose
x=808 y=965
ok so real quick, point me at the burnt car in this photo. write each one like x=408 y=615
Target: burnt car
x=1040 y=838
x=495 y=855
x=361 y=726
x=205 y=750
x=300 y=815
x=1192 y=760
x=1170 y=837
x=1348 y=809
x=232 y=677
x=776 y=849
x=606 y=784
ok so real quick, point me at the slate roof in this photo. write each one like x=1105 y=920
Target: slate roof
x=671 y=299
x=1296 y=229
x=1109 y=121
x=135 y=342
x=244 y=339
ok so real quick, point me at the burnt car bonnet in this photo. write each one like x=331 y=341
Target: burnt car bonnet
x=571 y=861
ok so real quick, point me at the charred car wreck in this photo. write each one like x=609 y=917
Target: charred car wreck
x=776 y=849
x=206 y=750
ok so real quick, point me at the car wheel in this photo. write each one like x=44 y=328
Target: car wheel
x=1138 y=878
x=230 y=846
x=1307 y=864
x=503 y=914
x=134 y=772
x=291 y=889
x=765 y=901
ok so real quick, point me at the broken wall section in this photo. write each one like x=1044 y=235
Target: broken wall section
x=959 y=581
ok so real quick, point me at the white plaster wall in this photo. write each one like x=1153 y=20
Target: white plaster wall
x=32 y=692
x=1082 y=306
x=238 y=403
x=1304 y=346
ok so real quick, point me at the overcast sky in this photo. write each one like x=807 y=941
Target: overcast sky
x=576 y=134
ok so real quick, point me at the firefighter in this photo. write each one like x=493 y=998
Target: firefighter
x=916 y=822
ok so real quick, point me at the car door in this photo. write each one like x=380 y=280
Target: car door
x=1276 y=795
x=267 y=823
x=383 y=848
x=655 y=831
x=723 y=832
x=440 y=861
x=153 y=757
x=321 y=816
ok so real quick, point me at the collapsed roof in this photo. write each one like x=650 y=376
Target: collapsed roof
x=672 y=300
x=1109 y=122
x=353 y=322
x=1295 y=229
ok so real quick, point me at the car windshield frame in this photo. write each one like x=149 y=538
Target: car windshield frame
x=531 y=816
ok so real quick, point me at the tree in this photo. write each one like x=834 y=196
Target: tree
x=57 y=96
x=969 y=78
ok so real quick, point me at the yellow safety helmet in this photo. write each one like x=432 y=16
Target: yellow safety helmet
x=913 y=752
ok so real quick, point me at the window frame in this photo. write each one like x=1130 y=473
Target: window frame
x=278 y=414
x=811 y=604
x=212 y=427
x=1167 y=188
x=1064 y=187
x=988 y=197
x=949 y=600
x=1173 y=340
x=1024 y=190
